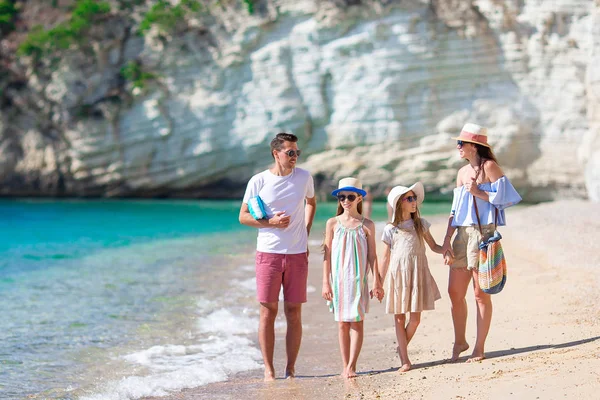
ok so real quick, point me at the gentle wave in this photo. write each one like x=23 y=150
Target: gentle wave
x=223 y=352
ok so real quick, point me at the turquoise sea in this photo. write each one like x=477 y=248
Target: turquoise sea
x=128 y=299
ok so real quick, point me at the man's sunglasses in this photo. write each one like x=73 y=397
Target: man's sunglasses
x=460 y=143
x=350 y=197
x=410 y=199
x=292 y=153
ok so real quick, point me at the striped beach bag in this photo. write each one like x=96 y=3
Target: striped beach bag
x=492 y=264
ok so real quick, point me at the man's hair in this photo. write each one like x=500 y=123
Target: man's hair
x=277 y=142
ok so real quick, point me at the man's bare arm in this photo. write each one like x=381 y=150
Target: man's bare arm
x=277 y=221
x=309 y=212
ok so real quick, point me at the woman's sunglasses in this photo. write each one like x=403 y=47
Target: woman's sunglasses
x=410 y=199
x=460 y=143
x=343 y=197
x=292 y=153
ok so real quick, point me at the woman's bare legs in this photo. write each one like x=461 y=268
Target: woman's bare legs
x=484 y=319
x=458 y=282
x=399 y=324
x=356 y=341
x=344 y=339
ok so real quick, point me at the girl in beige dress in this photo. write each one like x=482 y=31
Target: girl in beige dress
x=409 y=286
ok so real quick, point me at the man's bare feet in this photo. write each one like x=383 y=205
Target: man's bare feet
x=405 y=367
x=476 y=358
x=290 y=373
x=457 y=349
x=269 y=376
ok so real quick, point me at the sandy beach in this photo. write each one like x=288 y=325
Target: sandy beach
x=544 y=341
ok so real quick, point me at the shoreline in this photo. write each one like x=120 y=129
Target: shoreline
x=544 y=340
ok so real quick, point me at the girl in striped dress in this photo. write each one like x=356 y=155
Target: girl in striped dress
x=349 y=254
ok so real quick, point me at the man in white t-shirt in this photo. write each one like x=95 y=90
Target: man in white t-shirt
x=288 y=196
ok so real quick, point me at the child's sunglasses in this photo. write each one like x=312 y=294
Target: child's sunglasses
x=343 y=197
x=410 y=199
x=292 y=153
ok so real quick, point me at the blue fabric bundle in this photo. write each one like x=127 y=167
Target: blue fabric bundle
x=257 y=208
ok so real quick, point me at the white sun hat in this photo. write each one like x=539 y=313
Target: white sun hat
x=398 y=191
x=349 y=185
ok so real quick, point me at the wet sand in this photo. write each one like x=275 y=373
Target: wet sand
x=544 y=341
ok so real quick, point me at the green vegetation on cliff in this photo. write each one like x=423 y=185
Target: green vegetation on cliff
x=249 y=5
x=41 y=41
x=167 y=16
x=162 y=13
x=135 y=73
x=8 y=11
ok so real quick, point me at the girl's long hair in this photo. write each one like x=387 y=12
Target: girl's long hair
x=340 y=209
x=415 y=216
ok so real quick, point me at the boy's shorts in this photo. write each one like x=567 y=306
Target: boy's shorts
x=273 y=270
x=466 y=245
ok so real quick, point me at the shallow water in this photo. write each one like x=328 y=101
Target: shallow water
x=126 y=299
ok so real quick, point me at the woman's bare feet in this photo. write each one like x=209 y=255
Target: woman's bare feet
x=405 y=367
x=269 y=375
x=290 y=373
x=457 y=349
x=476 y=357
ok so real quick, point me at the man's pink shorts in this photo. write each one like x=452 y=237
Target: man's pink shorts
x=273 y=270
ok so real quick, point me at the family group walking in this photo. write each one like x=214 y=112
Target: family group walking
x=281 y=203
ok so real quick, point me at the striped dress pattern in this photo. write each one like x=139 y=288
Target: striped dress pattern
x=349 y=280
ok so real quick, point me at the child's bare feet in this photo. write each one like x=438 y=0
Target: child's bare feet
x=457 y=349
x=350 y=373
x=269 y=375
x=405 y=367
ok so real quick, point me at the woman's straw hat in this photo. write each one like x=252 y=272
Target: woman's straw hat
x=349 y=185
x=398 y=191
x=473 y=133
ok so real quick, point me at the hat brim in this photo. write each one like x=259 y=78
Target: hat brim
x=471 y=141
x=349 y=189
x=417 y=188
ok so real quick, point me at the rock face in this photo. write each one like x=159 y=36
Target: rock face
x=374 y=90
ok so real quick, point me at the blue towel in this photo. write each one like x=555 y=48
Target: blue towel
x=257 y=208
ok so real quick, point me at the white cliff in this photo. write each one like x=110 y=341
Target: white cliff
x=374 y=91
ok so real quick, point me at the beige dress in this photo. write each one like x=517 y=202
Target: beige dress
x=409 y=285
